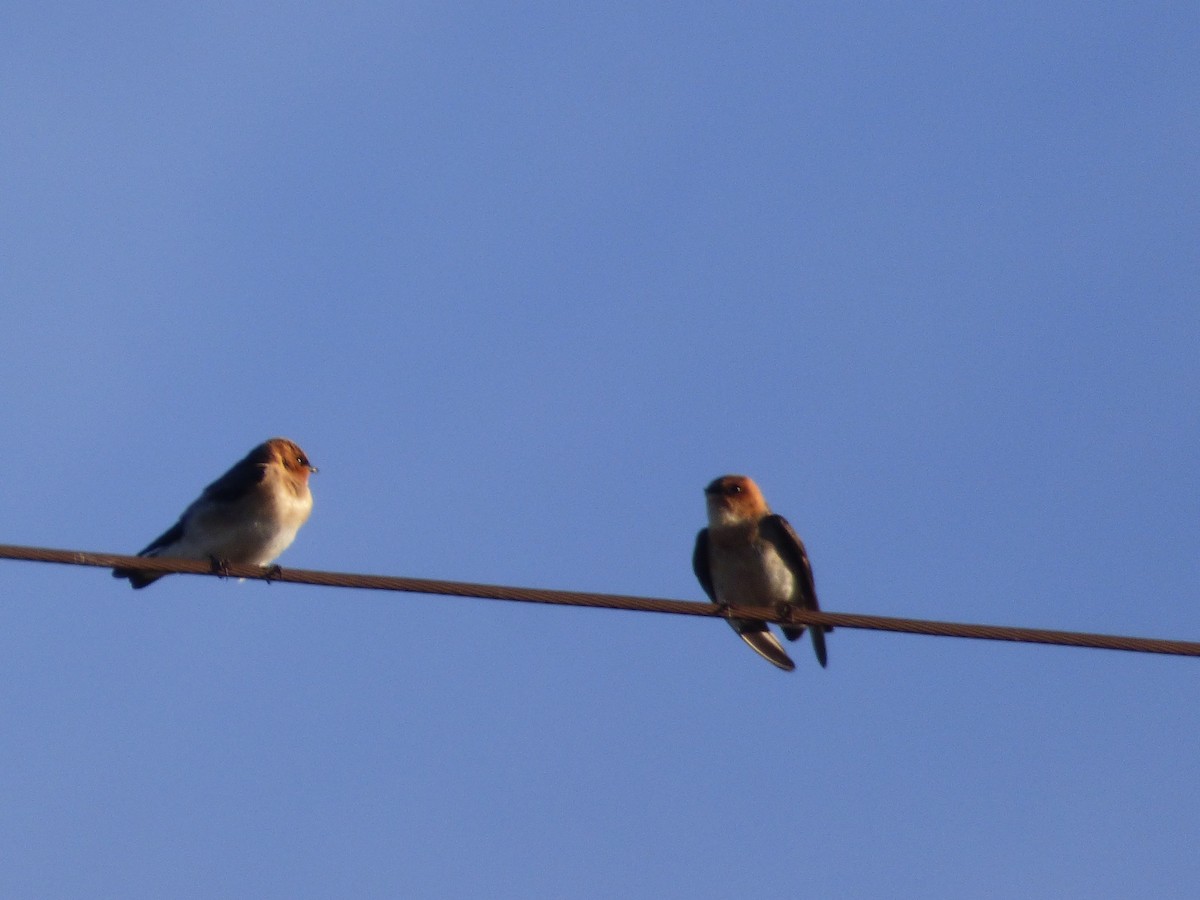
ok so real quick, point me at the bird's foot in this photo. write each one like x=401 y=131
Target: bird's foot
x=272 y=573
x=220 y=567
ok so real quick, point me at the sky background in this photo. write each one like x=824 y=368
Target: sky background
x=521 y=279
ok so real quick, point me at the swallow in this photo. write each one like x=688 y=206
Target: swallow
x=249 y=515
x=748 y=556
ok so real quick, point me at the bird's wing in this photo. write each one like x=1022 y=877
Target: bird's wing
x=700 y=564
x=235 y=484
x=168 y=537
x=782 y=535
x=245 y=475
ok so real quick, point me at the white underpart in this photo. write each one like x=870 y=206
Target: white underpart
x=752 y=574
x=253 y=531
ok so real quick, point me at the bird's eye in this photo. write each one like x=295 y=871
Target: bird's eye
x=735 y=489
x=301 y=460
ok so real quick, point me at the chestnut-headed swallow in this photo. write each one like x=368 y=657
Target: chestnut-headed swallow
x=249 y=515
x=747 y=556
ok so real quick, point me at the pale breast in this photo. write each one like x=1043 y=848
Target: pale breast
x=750 y=573
x=253 y=530
x=277 y=531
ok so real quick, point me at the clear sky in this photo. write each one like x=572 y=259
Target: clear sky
x=521 y=279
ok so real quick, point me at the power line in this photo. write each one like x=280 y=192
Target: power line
x=606 y=601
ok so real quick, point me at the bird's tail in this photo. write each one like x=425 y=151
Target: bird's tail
x=137 y=579
x=763 y=642
x=792 y=632
x=818 y=639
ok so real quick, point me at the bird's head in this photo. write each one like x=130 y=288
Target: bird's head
x=733 y=500
x=289 y=455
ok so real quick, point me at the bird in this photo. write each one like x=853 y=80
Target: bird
x=247 y=516
x=748 y=556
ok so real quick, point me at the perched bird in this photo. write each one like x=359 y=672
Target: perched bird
x=249 y=515
x=748 y=556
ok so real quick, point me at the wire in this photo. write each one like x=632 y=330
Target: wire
x=780 y=615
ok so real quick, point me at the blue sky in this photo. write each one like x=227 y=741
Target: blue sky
x=521 y=280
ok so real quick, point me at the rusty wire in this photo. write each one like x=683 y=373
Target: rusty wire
x=606 y=601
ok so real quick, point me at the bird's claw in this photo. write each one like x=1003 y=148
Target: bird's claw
x=220 y=567
x=273 y=572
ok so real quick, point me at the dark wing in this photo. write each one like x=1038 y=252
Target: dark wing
x=170 y=536
x=700 y=564
x=241 y=479
x=141 y=579
x=231 y=486
x=779 y=532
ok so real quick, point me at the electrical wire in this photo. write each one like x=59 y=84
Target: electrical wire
x=780 y=615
